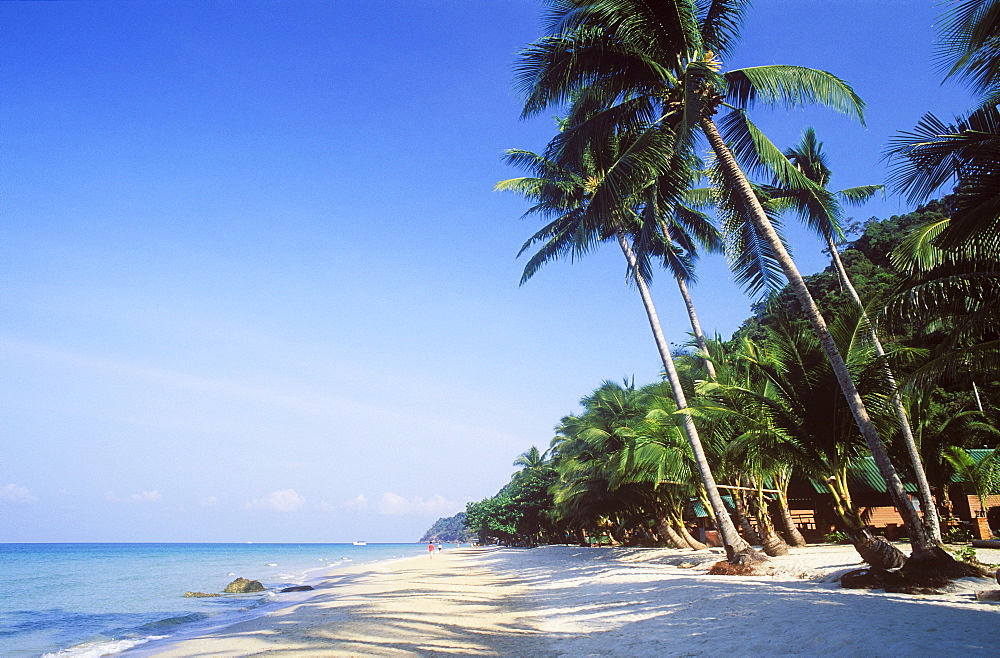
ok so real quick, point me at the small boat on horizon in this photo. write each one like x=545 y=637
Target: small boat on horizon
x=360 y=543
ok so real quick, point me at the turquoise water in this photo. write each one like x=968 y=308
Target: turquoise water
x=92 y=599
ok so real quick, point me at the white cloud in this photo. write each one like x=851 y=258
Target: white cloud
x=359 y=503
x=286 y=500
x=209 y=501
x=17 y=494
x=393 y=504
x=147 y=496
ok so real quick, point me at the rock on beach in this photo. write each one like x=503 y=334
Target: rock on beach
x=244 y=586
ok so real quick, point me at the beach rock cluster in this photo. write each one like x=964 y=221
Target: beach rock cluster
x=244 y=586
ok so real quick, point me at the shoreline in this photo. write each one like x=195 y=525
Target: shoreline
x=315 y=577
x=127 y=598
x=410 y=587
x=565 y=600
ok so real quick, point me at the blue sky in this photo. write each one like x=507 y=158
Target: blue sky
x=256 y=285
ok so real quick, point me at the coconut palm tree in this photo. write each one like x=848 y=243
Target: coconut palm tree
x=658 y=64
x=967 y=152
x=970 y=44
x=824 y=217
x=565 y=191
x=660 y=457
x=590 y=492
x=778 y=400
x=531 y=460
x=683 y=230
x=955 y=291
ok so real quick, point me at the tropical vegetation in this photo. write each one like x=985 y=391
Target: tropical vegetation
x=879 y=357
x=620 y=471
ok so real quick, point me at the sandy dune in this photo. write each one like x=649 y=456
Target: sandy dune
x=561 y=600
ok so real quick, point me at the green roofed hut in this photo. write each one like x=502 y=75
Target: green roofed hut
x=810 y=501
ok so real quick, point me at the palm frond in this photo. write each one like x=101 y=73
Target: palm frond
x=855 y=196
x=792 y=86
x=721 y=21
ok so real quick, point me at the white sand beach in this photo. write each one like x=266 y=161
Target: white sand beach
x=563 y=600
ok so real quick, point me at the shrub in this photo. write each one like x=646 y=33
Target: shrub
x=967 y=554
x=836 y=537
x=957 y=535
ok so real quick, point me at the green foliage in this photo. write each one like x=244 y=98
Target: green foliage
x=982 y=477
x=868 y=263
x=449 y=529
x=493 y=518
x=836 y=537
x=956 y=535
x=965 y=153
x=621 y=466
x=519 y=513
x=967 y=554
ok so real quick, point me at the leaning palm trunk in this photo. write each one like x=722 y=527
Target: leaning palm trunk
x=791 y=531
x=703 y=499
x=682 y=529
x=931 y=522
x=919 y=540
x=737 y=550
x=741 y=517
x=674 y=515
x=667 y=532
x=676 y=519
x=788 y=527
x=872 y=550
x=699 y=335
x=772 y=543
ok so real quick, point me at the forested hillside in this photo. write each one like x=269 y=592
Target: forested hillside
x=448 y=529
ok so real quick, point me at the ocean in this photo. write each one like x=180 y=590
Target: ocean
x=93 y=599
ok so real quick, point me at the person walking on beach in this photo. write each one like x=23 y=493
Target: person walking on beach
x=430 y=549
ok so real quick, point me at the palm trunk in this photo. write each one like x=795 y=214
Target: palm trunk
x=792 y=534
x=666 y=531
x=741 y=517
x=772 y=543
x=737 y=550
x=872 y=550
x=699 y=336
x=931 y=521
x=919 y=539
x=782 y=477
x=696 y=544
x=703 y=499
